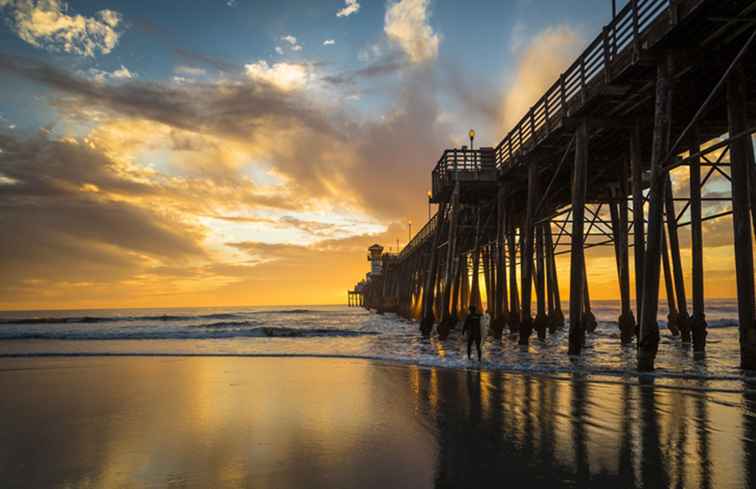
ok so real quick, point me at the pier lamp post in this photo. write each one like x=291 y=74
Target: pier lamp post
x=471 y=133
x=429 y=204
x=409 y=231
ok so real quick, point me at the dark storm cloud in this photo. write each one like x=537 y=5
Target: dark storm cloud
x=63 y=223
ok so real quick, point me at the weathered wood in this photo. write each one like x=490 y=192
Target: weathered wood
x=475 y=298
x=618 y=210
x=526 y=259
x=589 y=319
x=486 y=258
x=514 y=302
x=639 y=235
x=577 y=275
x=649 y=328
x=541 y=321
x=500 y=320
x=456 y=292
x=698 y=319
x=741 y=160
x=428 y=318
x=672 y=315
x=451 y=248
x=683 y=320
x=556 y=316
x=465 y=287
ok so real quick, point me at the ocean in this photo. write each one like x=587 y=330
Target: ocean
x=343 y=332
x=313 y=396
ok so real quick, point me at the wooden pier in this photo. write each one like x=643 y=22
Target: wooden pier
x=664 y=94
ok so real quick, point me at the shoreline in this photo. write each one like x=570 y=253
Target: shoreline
x=747 y=377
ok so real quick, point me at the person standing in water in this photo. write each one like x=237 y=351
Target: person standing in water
x=472 y=328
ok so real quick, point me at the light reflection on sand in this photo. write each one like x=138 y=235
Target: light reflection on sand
x=267 y=422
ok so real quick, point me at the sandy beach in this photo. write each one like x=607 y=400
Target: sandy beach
x=283 y=422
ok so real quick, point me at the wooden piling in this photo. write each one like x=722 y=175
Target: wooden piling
x=618 y=211
x=579 y=189
x=698 y=319
x=639 y=234
x=589 y=319
x=428 y=318
x=683 y=320
x=541 y=321
x=526 y=259
x=451 y=248
x=672 y=315
x=514 y=302
x=741 y=161
x=499 y=322
x=475 y=285
x=556 y=316
x=649 y=328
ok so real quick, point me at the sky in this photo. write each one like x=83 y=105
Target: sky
x=240 y=152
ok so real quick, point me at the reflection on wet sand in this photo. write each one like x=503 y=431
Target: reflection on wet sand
x=276 y=422
x=623 y=434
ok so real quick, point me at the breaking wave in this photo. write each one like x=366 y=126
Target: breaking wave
x=207 y=331
x=111 y=319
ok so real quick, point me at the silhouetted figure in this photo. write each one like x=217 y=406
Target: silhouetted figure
x=472 y=328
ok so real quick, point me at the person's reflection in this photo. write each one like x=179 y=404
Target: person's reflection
x=652 y=466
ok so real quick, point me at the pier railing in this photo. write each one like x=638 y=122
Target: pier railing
x=419 y=239
x=465 y=164
x=570 y=89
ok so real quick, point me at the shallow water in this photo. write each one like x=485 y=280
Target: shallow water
x=354 y=332
x=228 y=422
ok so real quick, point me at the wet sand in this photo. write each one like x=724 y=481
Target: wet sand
x=201 y=422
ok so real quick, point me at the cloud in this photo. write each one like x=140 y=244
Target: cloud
x=284 y=76
x=329 y=42
x=47 y=24
x=279 y=50
x=546 y=55
x=351 y=7
x=406 y=24
x=386 y=66
x=190 y=71
x=69 y=223
x=102 y=76
x=292 y=42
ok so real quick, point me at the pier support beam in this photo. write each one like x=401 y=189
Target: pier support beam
x=742 y=161
x=475 y=298
x=556 y=317
x=451 y=248
x=649 y=328
x=619 y=227
x=501 y=319
x=541 y=320
x=683 y=320
x=672 y=315
x=698 y=320
x=589 y=319
x=639 y=234
x=577 y=275
x=428 y=318
x=526 y=260
x=514 y=301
